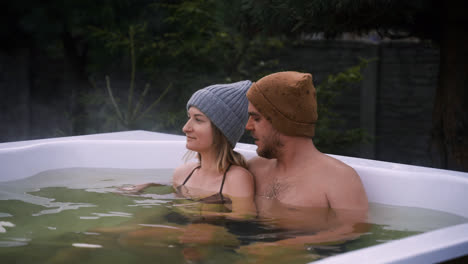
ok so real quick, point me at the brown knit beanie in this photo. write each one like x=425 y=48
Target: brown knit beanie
x=288 y=101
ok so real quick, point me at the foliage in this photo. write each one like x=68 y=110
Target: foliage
x=190 y=44
x=184 y=45
x=331 y=134
x=129 y=119
x=390 y=18
x=207 y=36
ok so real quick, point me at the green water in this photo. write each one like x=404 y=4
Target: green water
x=77 y=215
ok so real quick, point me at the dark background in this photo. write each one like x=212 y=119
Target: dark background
x=404 y=103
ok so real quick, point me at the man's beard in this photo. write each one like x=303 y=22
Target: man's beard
x=271 y=147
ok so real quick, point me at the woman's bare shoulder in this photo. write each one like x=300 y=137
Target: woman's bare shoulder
x=181 y=172
x=239 y=181
x=240 y=172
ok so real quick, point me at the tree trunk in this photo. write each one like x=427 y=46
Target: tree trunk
x=75 y=80
x=450 y=131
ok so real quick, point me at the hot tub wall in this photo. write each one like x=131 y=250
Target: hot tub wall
x=387 y=183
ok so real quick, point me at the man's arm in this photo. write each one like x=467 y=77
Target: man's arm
x=341 y=225
x=347 y=192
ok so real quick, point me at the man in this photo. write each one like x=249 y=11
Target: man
x=282 y=116
x=298 y=188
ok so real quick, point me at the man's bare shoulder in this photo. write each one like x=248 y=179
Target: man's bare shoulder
x=345 y=189
x=257 y=162
x=330 y=173
x=340 y=169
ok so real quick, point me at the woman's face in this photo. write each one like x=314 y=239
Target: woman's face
x=198 y=131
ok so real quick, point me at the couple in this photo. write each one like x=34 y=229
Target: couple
x=280 y=111
x=290 y=181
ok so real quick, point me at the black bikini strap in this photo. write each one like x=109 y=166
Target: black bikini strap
x=190 y=175
x=222 y=183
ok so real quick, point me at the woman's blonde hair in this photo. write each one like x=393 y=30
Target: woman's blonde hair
x=227 y=155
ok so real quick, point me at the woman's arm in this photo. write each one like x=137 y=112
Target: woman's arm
x=138 y=188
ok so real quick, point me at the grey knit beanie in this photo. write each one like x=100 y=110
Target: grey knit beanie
x=226 y=106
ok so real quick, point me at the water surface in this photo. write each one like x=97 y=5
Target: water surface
x=78 y=215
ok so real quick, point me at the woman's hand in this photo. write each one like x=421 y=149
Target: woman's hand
x=133 y=189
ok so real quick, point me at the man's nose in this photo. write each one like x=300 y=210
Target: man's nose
x=249 y=125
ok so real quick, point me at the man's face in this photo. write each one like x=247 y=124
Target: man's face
x=266 y=137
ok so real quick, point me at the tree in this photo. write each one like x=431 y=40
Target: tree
x=60 y=29
x=193 y=43
x=188 y=43
x=443 y=23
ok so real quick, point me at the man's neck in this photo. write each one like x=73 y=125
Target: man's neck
x=295 y=152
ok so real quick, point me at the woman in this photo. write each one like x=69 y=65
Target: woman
x=217 y=116
x=219 y=178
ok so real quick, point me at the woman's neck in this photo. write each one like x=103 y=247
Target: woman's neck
x=208 y=161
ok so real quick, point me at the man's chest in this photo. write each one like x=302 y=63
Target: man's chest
x=271 y=188
x=292 y=192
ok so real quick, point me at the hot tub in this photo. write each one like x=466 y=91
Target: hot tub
x=385 y=183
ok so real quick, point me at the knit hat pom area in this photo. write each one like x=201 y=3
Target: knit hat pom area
x=288 y=100
x=226 y=106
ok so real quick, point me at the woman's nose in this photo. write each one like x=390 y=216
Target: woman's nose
x=187 y=127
